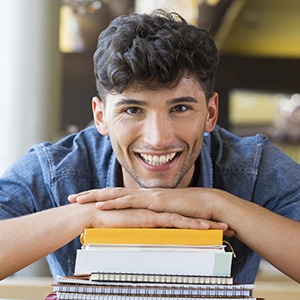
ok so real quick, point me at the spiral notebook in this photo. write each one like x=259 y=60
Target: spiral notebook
x=148 y=286
x=71 y=296
x=158 y=278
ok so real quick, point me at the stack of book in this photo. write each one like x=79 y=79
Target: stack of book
x=158 y=263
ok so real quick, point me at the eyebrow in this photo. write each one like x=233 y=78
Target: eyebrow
x=131 y=102
x=181 y=100
x=144 y=103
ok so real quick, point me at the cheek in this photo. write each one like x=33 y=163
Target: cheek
x=121 y=136
x=192 y=130
x=194 y=137
x=116 y=126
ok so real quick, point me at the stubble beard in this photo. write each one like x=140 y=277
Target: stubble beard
x=157 y=182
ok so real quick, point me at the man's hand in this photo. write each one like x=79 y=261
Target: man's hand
x=182 y=208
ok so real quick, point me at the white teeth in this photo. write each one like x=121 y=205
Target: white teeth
x=156 y=160
x=162 y=160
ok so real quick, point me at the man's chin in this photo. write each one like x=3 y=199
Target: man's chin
x=157 y=184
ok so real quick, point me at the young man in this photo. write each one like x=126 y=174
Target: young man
x=155 y=158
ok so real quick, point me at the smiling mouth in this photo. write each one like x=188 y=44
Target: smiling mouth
x=157 y=160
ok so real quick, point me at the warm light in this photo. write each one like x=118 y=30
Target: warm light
x=212 y=2
x=69 y=38
x=209 y=2
x=84 y=6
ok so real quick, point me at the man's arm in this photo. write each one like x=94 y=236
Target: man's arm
x=28 y=238
x=272 y=236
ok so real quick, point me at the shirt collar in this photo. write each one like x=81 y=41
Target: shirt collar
x=204 y=164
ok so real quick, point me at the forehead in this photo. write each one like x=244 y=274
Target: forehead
x=187 y=87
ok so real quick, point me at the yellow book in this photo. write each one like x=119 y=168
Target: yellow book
x=152 y=236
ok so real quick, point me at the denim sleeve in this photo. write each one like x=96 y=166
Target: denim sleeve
x=23 y=189
x=278 y=183
x=26 y=187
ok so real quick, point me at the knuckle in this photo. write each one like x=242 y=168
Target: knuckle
x=129 y=198
x=175 y=218
x=155 y=204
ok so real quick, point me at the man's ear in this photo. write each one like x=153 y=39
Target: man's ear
x=212 y=113
x=99 y=116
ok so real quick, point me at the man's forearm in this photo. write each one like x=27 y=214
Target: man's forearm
x=272 y=236
x=26 y=239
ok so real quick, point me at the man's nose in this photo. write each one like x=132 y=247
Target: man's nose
x=158 y=131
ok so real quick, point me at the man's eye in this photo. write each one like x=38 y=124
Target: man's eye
x=180 y=108
x=133 y=110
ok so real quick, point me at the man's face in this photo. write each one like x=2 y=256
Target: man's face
x=157 y=134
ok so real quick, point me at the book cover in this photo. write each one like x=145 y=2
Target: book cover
x=154 y=236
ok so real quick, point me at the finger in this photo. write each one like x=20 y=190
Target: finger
x=217 y=225
x=179 y=221
x=127 y=201
x=229 y=232
x=138 y=198
x=96 y=195
x=173 y=220
x=142 y=218
x=74 y=197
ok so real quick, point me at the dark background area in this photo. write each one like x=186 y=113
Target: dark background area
x=243 y=65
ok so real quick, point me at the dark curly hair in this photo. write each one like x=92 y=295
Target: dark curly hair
x=153 y=51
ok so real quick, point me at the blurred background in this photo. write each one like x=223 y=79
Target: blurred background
x=47 y=81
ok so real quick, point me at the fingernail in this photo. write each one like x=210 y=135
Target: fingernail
x=70 y=197
x=80 y=198
x=99 y=204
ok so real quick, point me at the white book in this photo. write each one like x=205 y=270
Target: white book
x=151 y=259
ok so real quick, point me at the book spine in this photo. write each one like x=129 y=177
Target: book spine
x=153 y=236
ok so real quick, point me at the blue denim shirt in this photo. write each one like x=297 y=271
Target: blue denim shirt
x=250 y=168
